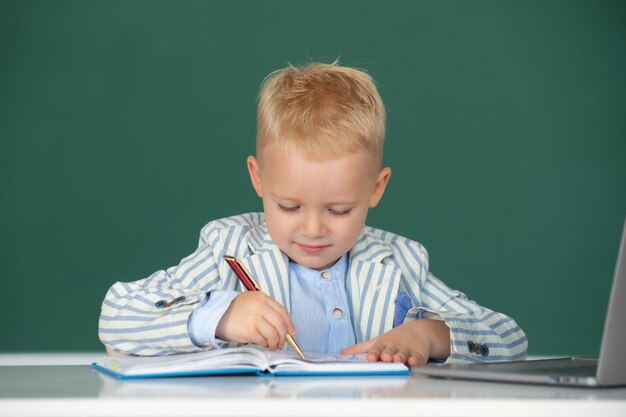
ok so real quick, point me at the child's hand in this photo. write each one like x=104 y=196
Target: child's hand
x=254 y=317
x=412 y=343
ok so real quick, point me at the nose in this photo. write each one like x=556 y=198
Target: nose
x=312 y=226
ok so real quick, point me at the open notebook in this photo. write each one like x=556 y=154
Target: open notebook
x=606 y=371
x=247 y=359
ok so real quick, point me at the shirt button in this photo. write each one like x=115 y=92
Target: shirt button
x=326 y=276
x=337 y=313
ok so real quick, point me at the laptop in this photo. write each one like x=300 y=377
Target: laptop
x=608 y=370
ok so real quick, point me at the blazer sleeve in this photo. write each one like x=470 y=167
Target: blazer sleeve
x=150 y=316
x=476 y=333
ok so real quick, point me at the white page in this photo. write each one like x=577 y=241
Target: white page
x=245 y=357
x=289 y=361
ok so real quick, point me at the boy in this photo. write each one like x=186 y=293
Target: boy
x=333 y=283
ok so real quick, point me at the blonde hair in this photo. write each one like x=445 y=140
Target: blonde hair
x=321 y=109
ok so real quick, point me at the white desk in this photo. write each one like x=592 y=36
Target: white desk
x=78 y=390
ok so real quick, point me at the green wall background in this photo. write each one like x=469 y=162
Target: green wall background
x=124 y=128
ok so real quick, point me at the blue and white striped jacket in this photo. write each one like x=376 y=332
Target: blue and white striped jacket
x=149 y=316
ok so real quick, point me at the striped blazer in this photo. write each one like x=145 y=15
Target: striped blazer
x=149 y=316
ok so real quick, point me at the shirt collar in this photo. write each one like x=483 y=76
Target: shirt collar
x=337 y=271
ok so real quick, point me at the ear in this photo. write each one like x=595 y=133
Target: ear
x=379 y=186
x=255 y=175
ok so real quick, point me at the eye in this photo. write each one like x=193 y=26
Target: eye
x=288 y=209
x=339 y=213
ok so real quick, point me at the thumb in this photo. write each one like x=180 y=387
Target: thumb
x=362 y=347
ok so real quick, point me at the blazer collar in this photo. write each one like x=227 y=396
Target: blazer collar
x=259 y=239
x=369 y=248
x=269 y=264
x=371 y=285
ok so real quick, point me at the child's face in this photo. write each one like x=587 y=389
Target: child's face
x=315 y=210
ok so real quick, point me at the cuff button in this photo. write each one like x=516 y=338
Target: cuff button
x=484 y=350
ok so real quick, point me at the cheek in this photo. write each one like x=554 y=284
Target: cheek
x=359 y=217
x=277 y=223
x=352 y=229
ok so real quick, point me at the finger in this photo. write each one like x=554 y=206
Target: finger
x=400 y=357
x=282 y=312
x=269 y=334
x=277 y=321
x=416 y=360
x=385 y=353
x=255 y=337
x=374 y=353
x=362 y=347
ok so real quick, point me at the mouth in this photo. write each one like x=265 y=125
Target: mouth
x=312 y=249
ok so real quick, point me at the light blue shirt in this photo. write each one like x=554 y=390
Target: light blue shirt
x=320 y=309
x=319 y=305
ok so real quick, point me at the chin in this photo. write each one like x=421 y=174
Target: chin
x=309 y=263
x=325 y=264
x=313 y=265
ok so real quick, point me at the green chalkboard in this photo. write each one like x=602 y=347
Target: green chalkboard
x=124 y=128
